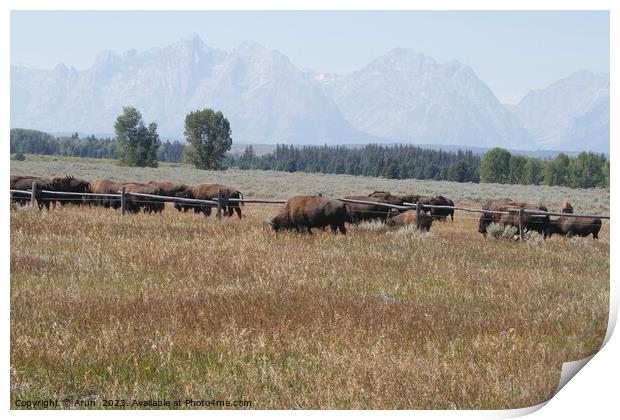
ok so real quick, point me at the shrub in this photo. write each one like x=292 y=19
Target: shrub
x=19 y=156
x=498 y=231
x=375 y=226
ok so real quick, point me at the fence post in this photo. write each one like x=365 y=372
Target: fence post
x=122 y=200
x=418 y=210
x=219 y=204
x=33 y=195
x=520 y=223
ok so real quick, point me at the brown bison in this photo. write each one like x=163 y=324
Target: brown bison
x=358 y=212
x=74 y=185
x=439 y=200
x=106 y=186
x=25 y=184
x=148 y=204
x=575 y=226
x=538 y=223
x=387 y=197
x=15 y=178
x=304 y=212
x=210 y=192
x=408 y=217
x=169 y=189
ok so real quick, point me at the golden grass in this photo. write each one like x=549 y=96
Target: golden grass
x=181 y=306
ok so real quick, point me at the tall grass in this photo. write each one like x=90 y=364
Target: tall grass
x=178 y=305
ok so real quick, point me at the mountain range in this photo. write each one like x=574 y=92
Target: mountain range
x=401 y=97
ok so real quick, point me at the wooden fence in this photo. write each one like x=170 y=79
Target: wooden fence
x=220 y=202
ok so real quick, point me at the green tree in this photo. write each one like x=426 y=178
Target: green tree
x=495 y=166
x=136 y=144
x=208 y=137
x=587 y=171
x=533 y=171
x=517 y=169
x=556 y=171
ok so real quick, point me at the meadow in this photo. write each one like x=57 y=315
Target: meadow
x=177 y=305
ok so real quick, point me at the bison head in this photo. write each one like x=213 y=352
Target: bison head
x=275 y=224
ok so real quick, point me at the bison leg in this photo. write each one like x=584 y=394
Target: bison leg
x=238 y=211
x=342 y=228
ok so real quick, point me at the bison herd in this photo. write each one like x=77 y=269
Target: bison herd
x=302 y=213
x=134 y=204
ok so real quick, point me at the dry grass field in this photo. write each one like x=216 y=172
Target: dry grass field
x=178 y=306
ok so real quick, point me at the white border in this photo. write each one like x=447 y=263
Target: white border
x=591 y=393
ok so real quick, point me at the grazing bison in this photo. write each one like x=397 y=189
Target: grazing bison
x=575 y=226
x=410 y=198
x=210 y=192
x=538 y=223
x=387 y=197
x=74 y=185
x=358 y=212
x=408 y=217
x=169 y=189
x=147 y=204
x=304 y=212
x=106 y=186
x=42 y=184
x=439 y=200
x=24 y=183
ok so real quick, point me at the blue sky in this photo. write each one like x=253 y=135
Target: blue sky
x=512 y=52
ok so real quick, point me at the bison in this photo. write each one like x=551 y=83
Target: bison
x=42 y=184
x=106 y=186
x=408 y=217
x=302 y=213
x=538 y=223
x=210 y=192
x=439 y=200
x=169 y=189
x=358 y=212
x=23 y=183
x=387 y=197
x=71 y=184
x=575 y=226
x=147 y=204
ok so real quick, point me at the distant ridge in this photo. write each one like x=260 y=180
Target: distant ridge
x=400 y=97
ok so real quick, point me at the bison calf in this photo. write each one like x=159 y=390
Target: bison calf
x=409 y=217
x=302 y=213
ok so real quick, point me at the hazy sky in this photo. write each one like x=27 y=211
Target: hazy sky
x=512 y=52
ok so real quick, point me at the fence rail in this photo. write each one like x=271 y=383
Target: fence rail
x=220 y=202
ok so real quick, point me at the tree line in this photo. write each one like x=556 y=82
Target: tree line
x=41 y=143
x=395 y=162
x=211 y=134
x=586 y=170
